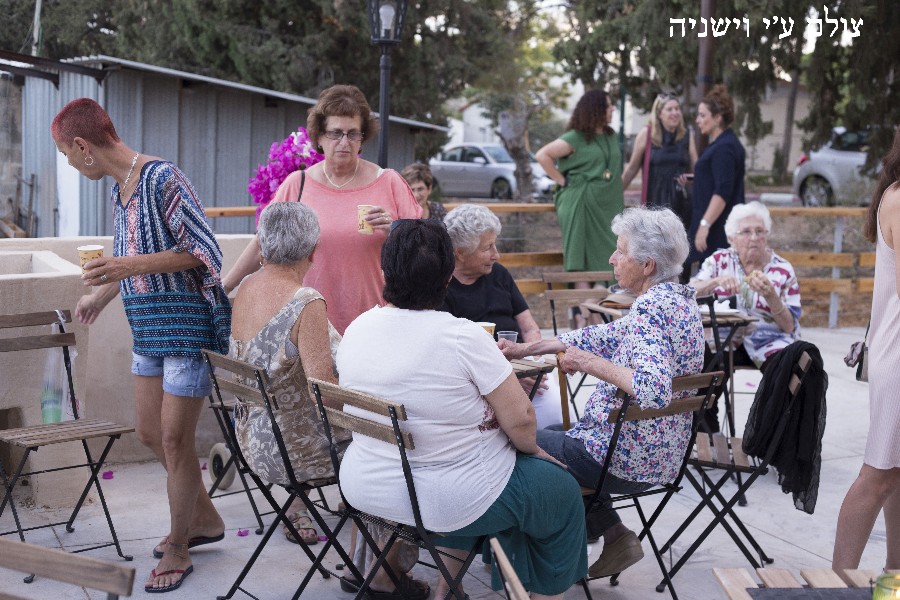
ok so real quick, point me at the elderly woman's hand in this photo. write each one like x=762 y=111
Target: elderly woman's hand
x=576 y=360
x=730 y=284
x=760 y=284
x=510 y=349
x=379 y=218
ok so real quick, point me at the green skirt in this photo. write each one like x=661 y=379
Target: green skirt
x=539 y=521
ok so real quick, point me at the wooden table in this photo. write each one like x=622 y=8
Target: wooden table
x=817 y=583
x=531 y=368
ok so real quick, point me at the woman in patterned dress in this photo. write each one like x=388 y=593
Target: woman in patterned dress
x=765 y=285
x=660 y=338
x=166 y=264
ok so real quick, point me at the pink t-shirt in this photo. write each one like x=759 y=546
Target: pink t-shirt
x=346 y=267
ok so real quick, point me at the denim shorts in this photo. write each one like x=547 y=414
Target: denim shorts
x=182 y=375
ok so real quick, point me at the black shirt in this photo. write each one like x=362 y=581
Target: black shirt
x=493 y=298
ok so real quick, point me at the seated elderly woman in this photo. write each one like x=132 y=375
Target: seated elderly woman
x=481 y=289
x=764 y=283
x=280 y=325
x=476 y=466
x=659 y=339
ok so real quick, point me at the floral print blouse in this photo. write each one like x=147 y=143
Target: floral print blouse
x=660 y=338
x=764 y=338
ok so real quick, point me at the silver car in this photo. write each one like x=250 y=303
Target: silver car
x=831 y=175
x=483 y=171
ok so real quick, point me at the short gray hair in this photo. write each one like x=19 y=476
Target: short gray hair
x=654 y=233
x=467 y=223
x=287 y=233
x=742 y=211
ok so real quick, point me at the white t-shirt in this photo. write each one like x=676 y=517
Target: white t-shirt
x=439 y=367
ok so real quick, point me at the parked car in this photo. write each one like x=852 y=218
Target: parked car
x=484 y=171
x=831 y=175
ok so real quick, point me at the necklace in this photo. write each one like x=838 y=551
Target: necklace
x=343 y=185
x=607 y=174
x=130 y=172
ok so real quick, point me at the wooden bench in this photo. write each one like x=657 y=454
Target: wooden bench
x=736 y=582
x=114 y=579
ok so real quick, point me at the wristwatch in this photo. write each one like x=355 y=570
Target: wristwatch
x=704 y=223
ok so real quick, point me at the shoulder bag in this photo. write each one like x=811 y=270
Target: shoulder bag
x=859 y=357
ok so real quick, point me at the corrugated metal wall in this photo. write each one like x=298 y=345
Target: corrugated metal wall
x=217 y=135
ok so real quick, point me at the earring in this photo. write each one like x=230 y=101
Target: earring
x=89 y=163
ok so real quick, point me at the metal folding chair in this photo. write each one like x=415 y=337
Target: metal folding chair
x=34 y=437
x=695 y=404
x=725 y=454
x=248 y=383
x=511 y=583
x=328 y=395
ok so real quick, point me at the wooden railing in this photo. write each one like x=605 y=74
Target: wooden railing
x=846 y=267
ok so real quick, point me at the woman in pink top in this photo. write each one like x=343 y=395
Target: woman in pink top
x=347 y=269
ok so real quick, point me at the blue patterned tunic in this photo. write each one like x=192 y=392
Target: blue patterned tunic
x=171 y=314
x=660 y=338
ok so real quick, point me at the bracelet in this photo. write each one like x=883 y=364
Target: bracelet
x=783 y=308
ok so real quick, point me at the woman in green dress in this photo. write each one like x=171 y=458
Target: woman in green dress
x=587 y=164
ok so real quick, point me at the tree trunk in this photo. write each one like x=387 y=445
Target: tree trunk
x=781 y=169
x=514 y=133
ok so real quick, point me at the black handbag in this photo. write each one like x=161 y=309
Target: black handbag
x=859 y=357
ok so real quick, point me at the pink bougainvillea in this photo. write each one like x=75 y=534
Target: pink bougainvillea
x=295 y=152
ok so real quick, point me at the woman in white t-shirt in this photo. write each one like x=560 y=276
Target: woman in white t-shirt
x=476 y=466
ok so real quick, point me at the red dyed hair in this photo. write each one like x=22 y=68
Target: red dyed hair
x=86 y=119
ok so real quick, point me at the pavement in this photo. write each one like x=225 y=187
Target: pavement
x=137 y=500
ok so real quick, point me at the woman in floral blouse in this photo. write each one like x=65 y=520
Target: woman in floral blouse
x=659 y=339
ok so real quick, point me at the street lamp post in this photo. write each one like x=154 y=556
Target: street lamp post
x=386 y=20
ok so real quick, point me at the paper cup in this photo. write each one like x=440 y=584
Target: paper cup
x=363 y=226
x=88 y=253
x=489 y=327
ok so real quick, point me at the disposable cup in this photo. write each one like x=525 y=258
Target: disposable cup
x=512 y=336
x=88 y=253
x=363 y=226
x=489 y=327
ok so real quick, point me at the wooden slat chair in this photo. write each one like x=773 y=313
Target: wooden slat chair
x=329 y=395
x=248 y=383
x=234 y=464
x=736 y=582
x=511 y=582
x=695 y=404
x=34 y=437
x=725 y=454
x=566 y=297
x=115 y=580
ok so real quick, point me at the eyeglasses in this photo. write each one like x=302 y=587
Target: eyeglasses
x=746 y=233
x=337 y=135
x=667 y=96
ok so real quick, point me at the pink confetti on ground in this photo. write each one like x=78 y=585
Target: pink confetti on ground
x=107 y=475
x=243 y=532
x=750 y=384
x=323 y=538
x=203 y=468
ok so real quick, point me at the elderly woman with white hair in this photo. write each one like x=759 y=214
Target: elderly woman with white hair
x=660 y=338
x=481 y=289
x=765 y=285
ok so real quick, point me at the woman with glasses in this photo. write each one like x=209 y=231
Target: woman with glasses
x=718 y=175
x=673 y=153
x=763 y=282
x=347 y=270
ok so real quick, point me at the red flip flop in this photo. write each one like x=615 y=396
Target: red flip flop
x=159 y=590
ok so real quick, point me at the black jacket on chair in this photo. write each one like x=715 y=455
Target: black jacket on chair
x=798 y=456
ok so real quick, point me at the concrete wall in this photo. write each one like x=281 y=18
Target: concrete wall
x=104 y=349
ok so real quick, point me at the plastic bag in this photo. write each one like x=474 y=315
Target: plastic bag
x=56 y=404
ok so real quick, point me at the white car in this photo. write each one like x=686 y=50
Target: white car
x=483 y=171
x=831 y=175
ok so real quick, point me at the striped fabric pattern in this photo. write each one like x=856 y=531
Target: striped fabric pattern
x=171 y=314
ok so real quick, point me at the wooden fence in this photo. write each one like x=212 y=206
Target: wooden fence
x=850 y=272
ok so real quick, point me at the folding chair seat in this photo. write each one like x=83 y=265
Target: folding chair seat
x=248 y=382
x=116 y=580
x=574 y=296
x=329 y=395
x=222 y=468
x=724 y=456
x=695 y=404
x=34 y=437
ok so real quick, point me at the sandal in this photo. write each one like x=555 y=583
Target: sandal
x=303 y=524
x=410 y=589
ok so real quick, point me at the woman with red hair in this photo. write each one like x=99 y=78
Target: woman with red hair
x=166 y=265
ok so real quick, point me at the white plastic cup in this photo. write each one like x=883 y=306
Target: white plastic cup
x=512 y=336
